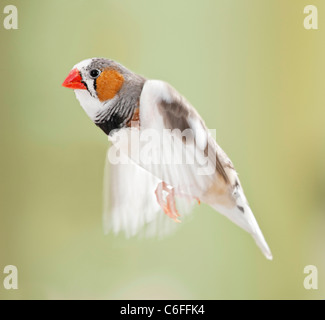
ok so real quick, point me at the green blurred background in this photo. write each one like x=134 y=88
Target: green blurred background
x=252 y=71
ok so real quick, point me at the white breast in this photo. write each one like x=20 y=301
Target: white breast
x=92 y=106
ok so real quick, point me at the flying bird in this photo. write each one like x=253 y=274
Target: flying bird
x=182 y=164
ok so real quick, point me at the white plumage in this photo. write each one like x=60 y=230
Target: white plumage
x=167 y=154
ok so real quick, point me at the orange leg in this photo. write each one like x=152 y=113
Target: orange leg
x=169 y=206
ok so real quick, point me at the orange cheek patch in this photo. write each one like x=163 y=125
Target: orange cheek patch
x=108 y=84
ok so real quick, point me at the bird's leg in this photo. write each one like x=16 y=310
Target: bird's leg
x=189 y=198
x=169 y=206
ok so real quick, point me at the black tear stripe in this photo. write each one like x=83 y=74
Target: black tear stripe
x=83 y=82
x=241 y=209
x=95 y=84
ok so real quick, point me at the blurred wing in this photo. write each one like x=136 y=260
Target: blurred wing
x=130 y=204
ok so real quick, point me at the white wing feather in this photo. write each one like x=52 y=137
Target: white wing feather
x=130 y=204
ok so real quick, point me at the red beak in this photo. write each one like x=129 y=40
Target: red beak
x=74 y=80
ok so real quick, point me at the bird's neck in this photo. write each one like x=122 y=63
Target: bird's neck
x=121 y=110
x=114 y=122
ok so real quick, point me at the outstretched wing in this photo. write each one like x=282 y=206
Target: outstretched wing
x=183 y=152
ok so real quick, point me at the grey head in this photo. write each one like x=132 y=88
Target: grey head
x=109 y=92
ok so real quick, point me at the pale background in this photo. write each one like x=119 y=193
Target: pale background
x=254 y=74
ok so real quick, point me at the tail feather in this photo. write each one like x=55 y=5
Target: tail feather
x=244 y=218
x=257 y=234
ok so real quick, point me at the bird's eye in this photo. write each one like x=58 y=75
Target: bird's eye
x=94 y=73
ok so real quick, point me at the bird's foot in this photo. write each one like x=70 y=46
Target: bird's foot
x=168 y=205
